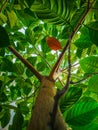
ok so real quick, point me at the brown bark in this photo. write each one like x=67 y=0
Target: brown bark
x=41 y=115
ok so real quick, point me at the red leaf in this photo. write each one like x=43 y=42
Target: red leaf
x=53 y=43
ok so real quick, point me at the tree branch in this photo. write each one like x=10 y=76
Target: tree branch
x=35 y=72
x=57 y=64
x=63 y=70
x=56 y=67
x=61 y=92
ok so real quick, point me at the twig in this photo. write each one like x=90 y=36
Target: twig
x=63 y=70
x=71 y=82
x=85 y=78
x=61 y=92
x=36 y=73
x=42 y=57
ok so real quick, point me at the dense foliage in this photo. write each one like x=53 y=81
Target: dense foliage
x=25 y=24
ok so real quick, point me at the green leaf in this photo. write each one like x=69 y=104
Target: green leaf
x=30 y=35
x=20 y=82
x=70 y=98
x=41 y=66
x=23 y=108
x=91 y=126
x=76 y=15
x=5 y=119
x=24 y=85
x=21 y=46
x=83 y=42
x=3 y=97
x=12 y=18
x=7 y=65
x=83 y=112
x=4 y=38
x=15 y=92
x=29 y=73
x=79 y=52
x=44 y=46
x=93 y=84
x=27 y=88
x=53 y=11
x=66 y=32
x=3 y=19
x=18 y=68
x=96 y=12
x=26 y=16
x=93 y=25
x=2 y=51
x=32 y=60
x=20 y=37
x=93 y=32
x=29 y=2
x=17 y=121
x=38 y=29
x=50 y=57
x=89 y=64
x=54 y=31
x=4 y=79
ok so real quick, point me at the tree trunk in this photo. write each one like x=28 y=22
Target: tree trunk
x=41 y=115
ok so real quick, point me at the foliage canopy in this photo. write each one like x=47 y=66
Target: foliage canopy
x=25 y=25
